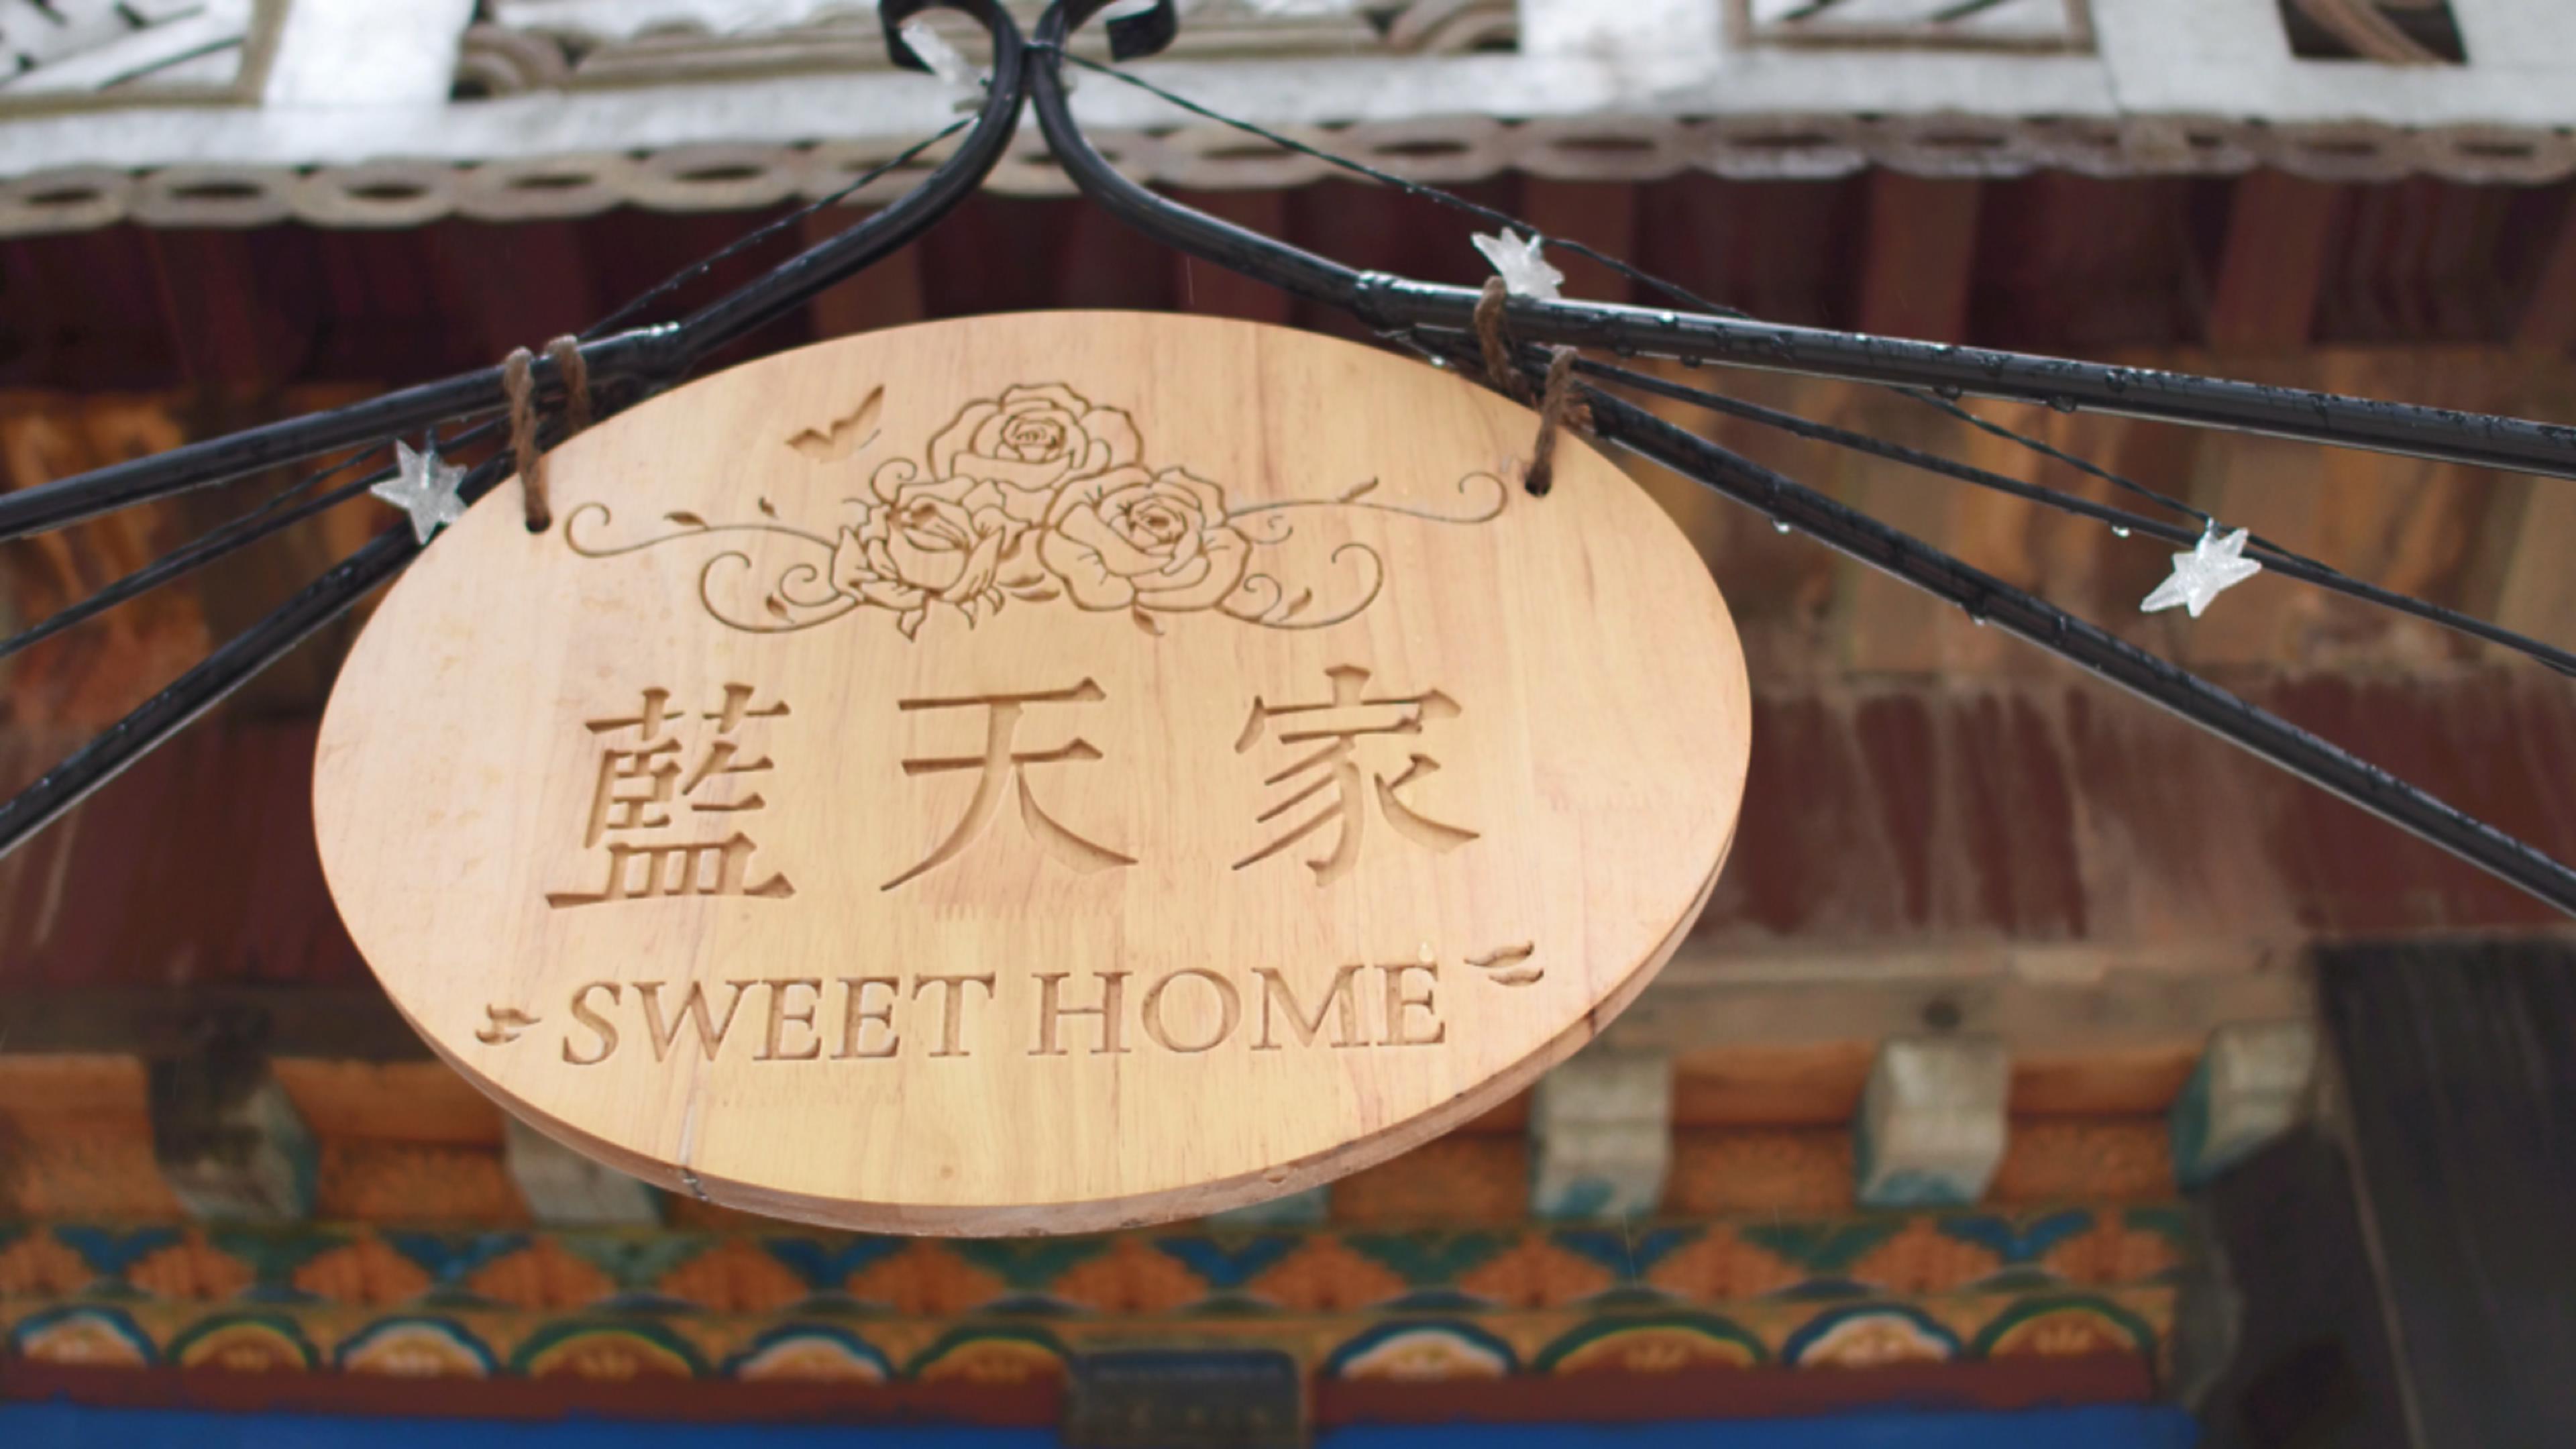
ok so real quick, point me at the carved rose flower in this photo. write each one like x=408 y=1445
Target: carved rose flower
x=1032 y=441
x=1133 y=539
x=946 y=541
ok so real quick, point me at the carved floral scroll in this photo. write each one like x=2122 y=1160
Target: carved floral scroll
x=1041 y=496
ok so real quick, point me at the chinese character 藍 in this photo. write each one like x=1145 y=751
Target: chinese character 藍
x=1002 y=765
x=1339 y=723
x=641 y=783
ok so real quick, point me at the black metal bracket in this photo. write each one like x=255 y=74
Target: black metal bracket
x=1439 y=319
x=1435 y=319
x=654 y=357
x=1392 y=303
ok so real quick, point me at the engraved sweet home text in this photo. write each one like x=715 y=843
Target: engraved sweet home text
x=658 y=760
x=1049 y=1014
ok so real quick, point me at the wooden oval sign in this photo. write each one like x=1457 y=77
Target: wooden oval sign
x=1034 y=773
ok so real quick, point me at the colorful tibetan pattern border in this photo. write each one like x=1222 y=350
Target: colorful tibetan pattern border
x=1198 y=1270
x=1411 y=1348
x=1865 y=1290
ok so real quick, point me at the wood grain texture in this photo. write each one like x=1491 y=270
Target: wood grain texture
x=1096 y=874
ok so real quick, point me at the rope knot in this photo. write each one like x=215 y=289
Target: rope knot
x=1558 y=405
x=518 y=380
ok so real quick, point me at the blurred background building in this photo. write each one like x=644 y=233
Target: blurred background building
x=2035 y=1050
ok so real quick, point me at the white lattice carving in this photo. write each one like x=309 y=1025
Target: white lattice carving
x=70 y=47
x=542 y=44
x=353 y=128
x=725 y=177
x=1959 y=24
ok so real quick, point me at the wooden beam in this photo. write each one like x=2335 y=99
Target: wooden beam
x=1211 y=290
x=230 y=332
x=229 y=1140
x=562 y=1187
x=1311 y=1208
x=515 y=285
x=1919 y=263
x=1932 y=1124
x=885 y=295
x=2531 y=535
x=348 y=1024
x=74 y=1096
x=2252 y=1085
x=1601 y=1137
x=97 y=672
x=2548 y=320
x=1724 y=996
x=421 y=1101
x=2280 y=234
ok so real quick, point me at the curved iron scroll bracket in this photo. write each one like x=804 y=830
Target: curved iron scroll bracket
x=1437 y=319
x=647 y=361
x=1390 y=302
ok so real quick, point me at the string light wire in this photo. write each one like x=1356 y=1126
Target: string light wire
x=2287 y=564
x=758 y=235
x=267 y=519
x=1648 y=280
x=2274 y=556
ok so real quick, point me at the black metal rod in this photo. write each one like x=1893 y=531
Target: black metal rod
x=2168 y=686
x=1389 y=302
x=395 y=414
x=785 y=287
x=800 y=278
x=1409 y=307
x=205 y=685
x=2271 y=556
x=655 y=356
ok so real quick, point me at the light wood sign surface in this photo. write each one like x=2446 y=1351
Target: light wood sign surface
x=1035 y=773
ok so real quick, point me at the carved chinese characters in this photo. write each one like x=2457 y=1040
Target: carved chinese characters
x=641 y=782
x=1330 y=766
x=1034 y=773
x=1002 y=767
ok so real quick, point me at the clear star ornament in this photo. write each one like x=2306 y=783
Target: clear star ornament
x=1518 y=262
x=2215 y=564
x=423 y=486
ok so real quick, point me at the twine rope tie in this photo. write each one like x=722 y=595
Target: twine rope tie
x=518 y=379
x=1558 y=406
x=1496 y=344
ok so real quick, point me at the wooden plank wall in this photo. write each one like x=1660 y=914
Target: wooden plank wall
x=2048 y=262
x=122 y=341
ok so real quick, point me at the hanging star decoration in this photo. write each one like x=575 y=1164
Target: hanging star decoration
x=1526 y=273
x=424 y=487
x=2214 y=565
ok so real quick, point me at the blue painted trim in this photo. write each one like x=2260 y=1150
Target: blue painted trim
x=66 y=1426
